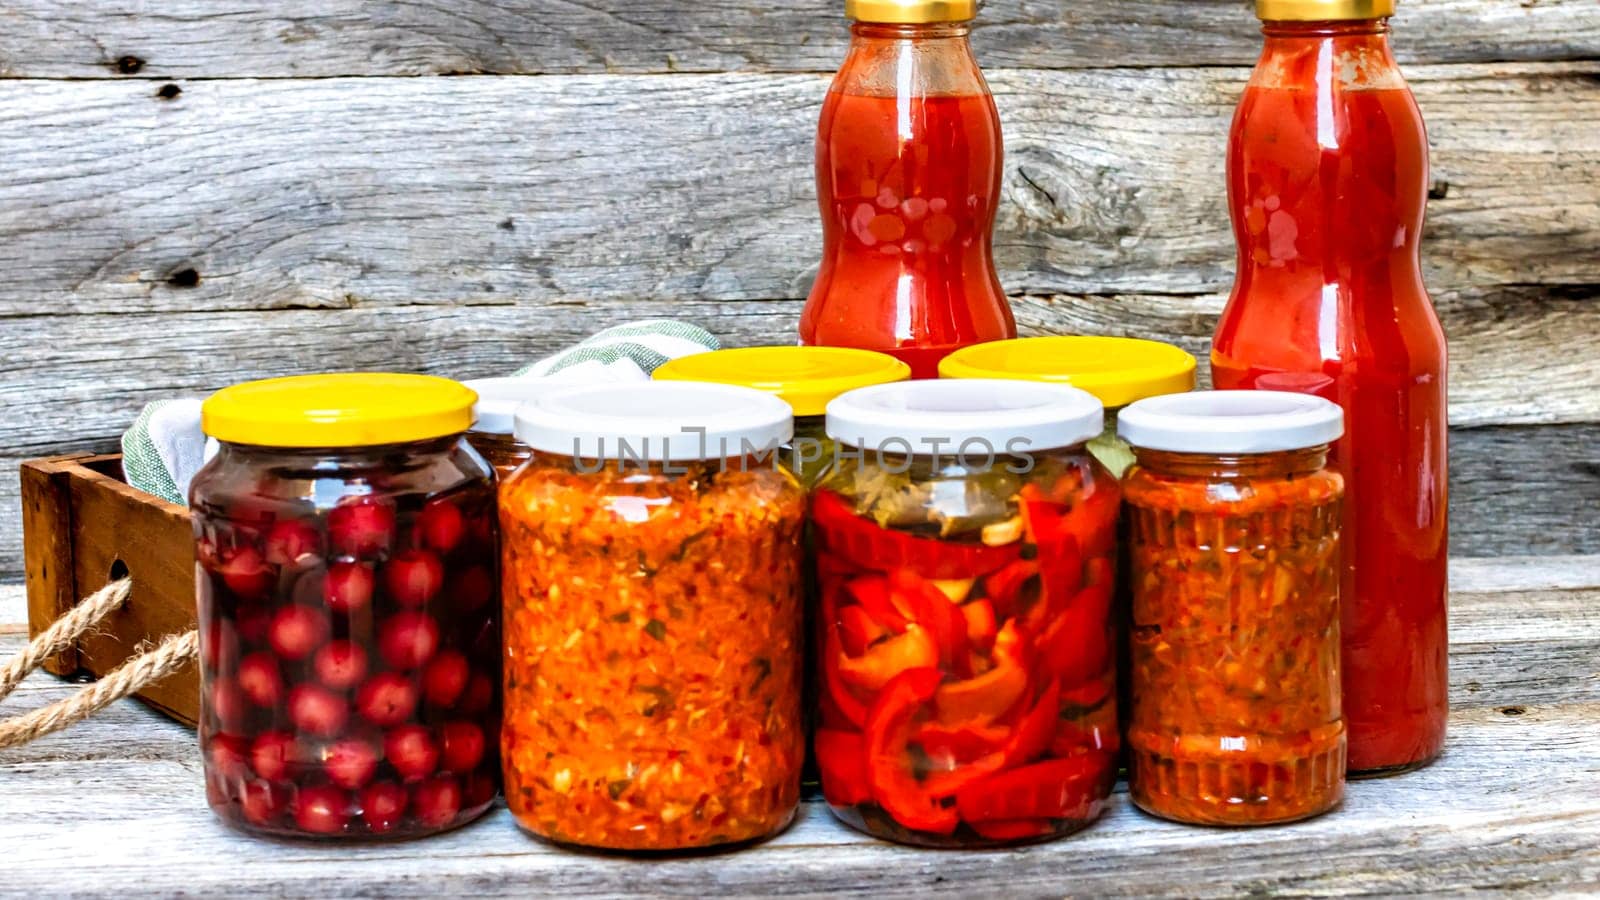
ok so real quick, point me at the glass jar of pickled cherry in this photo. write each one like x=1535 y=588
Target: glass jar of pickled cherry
x=494 y=416
x=346 y=564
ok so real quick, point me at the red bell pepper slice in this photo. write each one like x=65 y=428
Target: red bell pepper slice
x=839 y=692
x=1072 y=739
x=982 y=698
x=948 y=747
x=891 y=723
x=1088 y=695
x=921 y=601
x=1033 y=733
x=1044 y=521
x=1054 y=789
x=1075 y=647
x=842 y=760
x=1093 y=519
x=858 y=630
x=1060 y=556
x=1007 y=588
x=1028 y=739
x=872 y=592
x=981 y=623
x=884 y=660
x=871 y=546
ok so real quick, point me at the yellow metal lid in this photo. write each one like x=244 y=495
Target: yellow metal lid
x=1117 y=370
x=910 y=12
x=356 y=409
x=806 y=378
x=1322 y=10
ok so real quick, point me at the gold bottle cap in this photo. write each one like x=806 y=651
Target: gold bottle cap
x=910 y=12
x=1323 y=10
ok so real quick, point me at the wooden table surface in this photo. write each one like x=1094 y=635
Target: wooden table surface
x=115 y=805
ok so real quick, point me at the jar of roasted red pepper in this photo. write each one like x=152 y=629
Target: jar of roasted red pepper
x=965 y=552
x=806 y=378
x=494 y=417
x=1234 y=521
x=1116 y=370
x=349 y=634
x=653 y=578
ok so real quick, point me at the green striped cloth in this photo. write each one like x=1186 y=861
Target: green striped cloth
x=623 y=352
x=164 y=447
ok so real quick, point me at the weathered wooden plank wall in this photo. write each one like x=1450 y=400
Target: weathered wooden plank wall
x=207 y=191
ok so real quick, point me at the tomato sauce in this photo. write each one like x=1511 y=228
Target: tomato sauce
x=908 y=185
x=1327 y=175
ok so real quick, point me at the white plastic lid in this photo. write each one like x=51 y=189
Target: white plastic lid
x=1231 y=422
x=498 y=399
x=659 y=421
x=939 y=417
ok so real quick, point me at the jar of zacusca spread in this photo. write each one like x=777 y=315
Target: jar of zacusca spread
x=1234 y=520
x=653 y=568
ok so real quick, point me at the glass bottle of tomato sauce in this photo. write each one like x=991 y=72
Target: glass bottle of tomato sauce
x=1327 y=183
x=908 y=178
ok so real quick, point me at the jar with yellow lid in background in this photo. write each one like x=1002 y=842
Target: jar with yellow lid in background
x=1234 y=521
x=349 y=634
x=1117 y=370
x=652 y=566
x=494 y=416
x=806 y=378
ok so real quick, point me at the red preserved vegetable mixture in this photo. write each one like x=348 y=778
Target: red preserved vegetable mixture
x=653 y=652
x=1235 y=714
x=968 y=683
x=1234 y=550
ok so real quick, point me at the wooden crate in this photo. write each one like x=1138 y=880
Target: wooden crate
x=83 y=527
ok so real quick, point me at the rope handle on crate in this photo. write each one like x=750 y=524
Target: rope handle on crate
x=129 y=678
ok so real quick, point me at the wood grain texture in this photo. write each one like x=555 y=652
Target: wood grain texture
x=369 y=192
x=300 y=38
x=1514 y=803
x=46 y=518
x=154 y=246
x=118 y=529
x=1517 y=490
